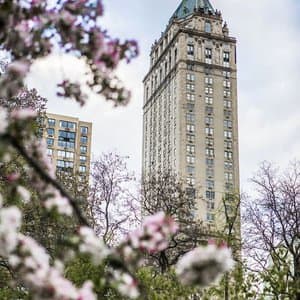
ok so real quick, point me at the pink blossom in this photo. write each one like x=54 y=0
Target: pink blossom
x=204 y=265
x=92 y=245
x=86 y=292
x=19 y=67
x=3 y=120
x=12 y=177
x=126 y=284
x=58 y=202
x=154 y=234
x=24 y=193
x=23 y=114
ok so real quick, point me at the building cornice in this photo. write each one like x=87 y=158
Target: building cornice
x=189 y=31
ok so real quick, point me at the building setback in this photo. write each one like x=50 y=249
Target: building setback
x=69 y=143
x=190 y=124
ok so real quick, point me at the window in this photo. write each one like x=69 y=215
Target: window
x=207 y=27
x=228 y=134
x=209 y=121
x=83 y=158
x=226 y=74
x=66 y=136
x=83 y=139
x=190 y=170
x=190 y=149
x=190 y=128
x=63 y=165
x=82 y=169
x=190 y=159
x=84 y=130
x=209 y=80
x=210 y=195
x=228 y=155
x=50 y=142
x=208 y=90
x=209 y=131
x=209 y=142
x=208 y=56
x=49 y=152
x=228 y=176
x=210 y=205
x=209 y=110
x=66 y=144
x=190 y=138
x=190 y=77
x=210 y=173
x=227 y=103
x=51 y=122
x=190 y=49
x=210 y=184
x=83 y=149
x=228 y=124
x=190 y=106
x=67 y=124
x=228 y=165
x=209 y=152
x=190 y=118
x=227 y=94
x=227 y=113
x=190 y=181
x=190 y=87
x=209 y=162
x=50 y=131
x=65 y=154
x=210 y=217
x=226 y=84
x=209 y=100
x=228 y=145
x=190 y=97
x=190 y=67
x=226 y=58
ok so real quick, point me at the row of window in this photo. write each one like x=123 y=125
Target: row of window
x=69 y=165
x=67 y=124
x=208 y=54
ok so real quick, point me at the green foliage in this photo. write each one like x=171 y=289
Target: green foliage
x=81 y=269
x=164 y=286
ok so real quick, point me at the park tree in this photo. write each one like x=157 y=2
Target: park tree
x=272 y=228
x=112 y=205
x=165 y=192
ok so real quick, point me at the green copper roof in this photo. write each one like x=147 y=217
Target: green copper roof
x=187 y=7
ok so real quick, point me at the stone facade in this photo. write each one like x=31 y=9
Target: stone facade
x=190 y=109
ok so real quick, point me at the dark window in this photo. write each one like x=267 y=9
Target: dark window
x=50 y=131
x=190 y=49
x=83 y=140
x=50 y=142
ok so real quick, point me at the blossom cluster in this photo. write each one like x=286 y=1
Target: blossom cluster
x=154 y=234
x=33 y=262
x=204 y=265
x=35 y=28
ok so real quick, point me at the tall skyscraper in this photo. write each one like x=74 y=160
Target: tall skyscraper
x=69 y=143
x=190 y=107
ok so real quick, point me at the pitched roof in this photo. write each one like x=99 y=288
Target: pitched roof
x=187 y=7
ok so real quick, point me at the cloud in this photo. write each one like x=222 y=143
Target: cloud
x=268 y=78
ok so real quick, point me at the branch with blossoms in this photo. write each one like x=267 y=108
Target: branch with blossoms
x=32 y=29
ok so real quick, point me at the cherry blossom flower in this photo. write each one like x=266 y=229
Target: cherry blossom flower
x=92 y=245
x=126 y=284
x=19 y=68
x=23 y=114
x=24 y=193
x=3 y=120
x=154 y=234
x=10 y=222
x=204 y=265
x=58 y=202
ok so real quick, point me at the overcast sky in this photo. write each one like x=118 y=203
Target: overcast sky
x=268 y=34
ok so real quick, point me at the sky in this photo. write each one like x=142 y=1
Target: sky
x=268 y=77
